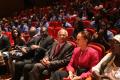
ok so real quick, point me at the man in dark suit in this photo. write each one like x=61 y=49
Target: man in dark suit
x=4 y=46
x=57 y=57
x=4 y=42
x=39 y=45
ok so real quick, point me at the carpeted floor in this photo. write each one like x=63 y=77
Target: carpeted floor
x=5 y=77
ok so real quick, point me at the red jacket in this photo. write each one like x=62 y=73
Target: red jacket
x=86 y=59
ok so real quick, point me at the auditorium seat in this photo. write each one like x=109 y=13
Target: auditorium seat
x=100 y=48
x=56 y=32
x=86 y=23
x=70 y=31
x=90 y=30
x=26 y=36
x=9 y=35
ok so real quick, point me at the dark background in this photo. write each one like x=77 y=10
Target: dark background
x=9 y=7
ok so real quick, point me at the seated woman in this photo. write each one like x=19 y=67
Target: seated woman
x=83 y=59
x=16 y=52
x=18 y=39
x=109 y=66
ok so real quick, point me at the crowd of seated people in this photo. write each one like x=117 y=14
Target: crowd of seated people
x=63 y=41
x=83 y=59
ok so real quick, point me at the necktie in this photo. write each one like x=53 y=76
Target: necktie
x=57 y=49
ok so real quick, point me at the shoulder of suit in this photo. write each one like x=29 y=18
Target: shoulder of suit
x=50 y=37
x=69 y=43
x=55 y=40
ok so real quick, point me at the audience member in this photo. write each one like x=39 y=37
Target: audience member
x=18 y=39
x=4 y=42
x=44 y=43
x=101 y=36
x=109 y=66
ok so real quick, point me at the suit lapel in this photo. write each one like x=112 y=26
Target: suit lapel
x=53 y=49
x=43 y=42
x=61 y=50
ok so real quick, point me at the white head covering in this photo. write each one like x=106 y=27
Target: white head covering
x=117 y=37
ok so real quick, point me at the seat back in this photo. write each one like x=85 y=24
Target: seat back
x=100 y=48
x=9 y=35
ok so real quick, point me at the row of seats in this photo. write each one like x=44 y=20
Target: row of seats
x=53 y=31
x=86 y=23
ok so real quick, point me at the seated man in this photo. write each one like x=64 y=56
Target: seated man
x=4 y=42
x=4 y=46
x=57 y=57
x=109 y=67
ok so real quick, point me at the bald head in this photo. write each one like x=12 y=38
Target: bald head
x=63 y=31
x=62 y=35
x=32 y=31
x=43 y=31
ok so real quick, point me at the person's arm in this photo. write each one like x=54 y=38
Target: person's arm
x=71 y=63
x=70 y=67
x=96 y=70
x=104 y=59
x=94 y=59
x=62 y=62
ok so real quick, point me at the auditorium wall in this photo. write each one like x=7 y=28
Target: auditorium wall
x=8 y=7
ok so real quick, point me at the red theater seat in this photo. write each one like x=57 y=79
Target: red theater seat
x=70 y=31
x=86 y=23
x=56 y=31
x=26 y=36
x=114 y=31
x=100 y=48
x=90 y=30
x=51 y=31
x=9 y=35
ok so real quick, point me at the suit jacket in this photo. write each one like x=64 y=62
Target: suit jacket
x=4 y=43
x=32 y=41
x=45 y=44
x=62 y=58
x=30 y=53
x=83 y=60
